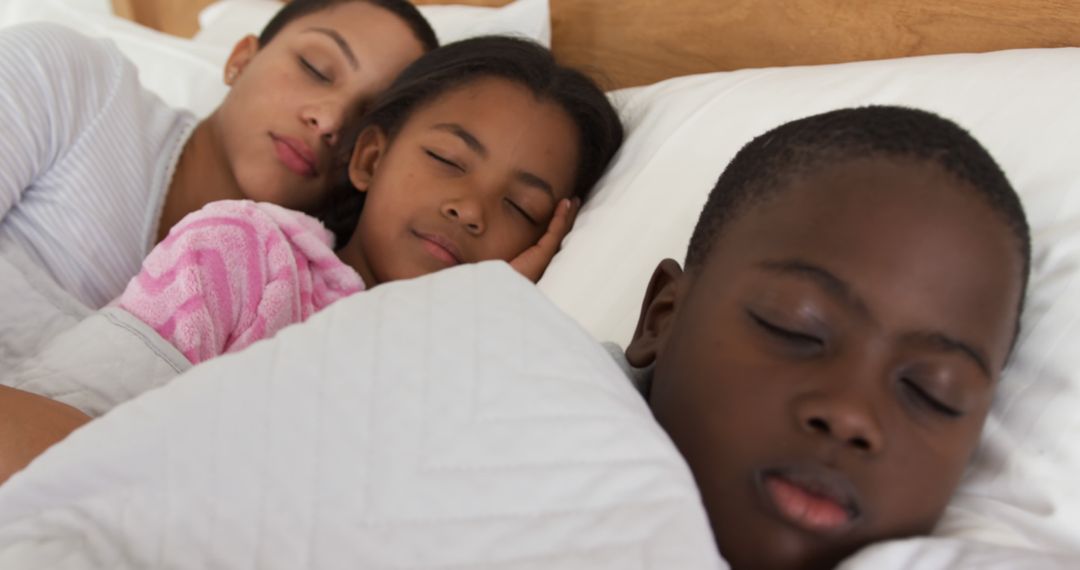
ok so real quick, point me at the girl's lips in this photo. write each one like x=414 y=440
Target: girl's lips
x=440 y=248
x=295 y=155
x=814 y=500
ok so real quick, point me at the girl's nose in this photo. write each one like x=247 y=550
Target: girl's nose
x=468 y=213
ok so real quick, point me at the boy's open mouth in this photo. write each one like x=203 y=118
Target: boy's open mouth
x=814 y=499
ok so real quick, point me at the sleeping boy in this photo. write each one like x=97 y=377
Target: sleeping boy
x=827 y=358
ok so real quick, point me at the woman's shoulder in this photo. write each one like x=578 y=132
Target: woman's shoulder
x=74 y=77
x=50 y=47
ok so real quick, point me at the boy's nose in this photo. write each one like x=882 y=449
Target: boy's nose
x=845 y=417
x=468 y=213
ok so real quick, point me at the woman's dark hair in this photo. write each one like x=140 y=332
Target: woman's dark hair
x=521 y=61
x=400 y=8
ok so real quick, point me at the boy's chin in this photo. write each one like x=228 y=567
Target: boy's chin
x=786 y=555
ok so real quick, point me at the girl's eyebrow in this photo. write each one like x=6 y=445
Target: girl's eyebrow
x=468 y=138
x=535 y=181
x=341 y=43
x=478 y=147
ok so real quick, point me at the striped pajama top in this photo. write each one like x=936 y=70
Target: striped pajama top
x=86 y=156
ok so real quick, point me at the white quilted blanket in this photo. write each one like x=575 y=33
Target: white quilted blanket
x=52 y=345
x=458 y=421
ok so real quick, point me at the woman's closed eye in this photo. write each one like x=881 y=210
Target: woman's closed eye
x=313 y=71
x=923 y=397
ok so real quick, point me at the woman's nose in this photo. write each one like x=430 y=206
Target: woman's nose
x=326 y=120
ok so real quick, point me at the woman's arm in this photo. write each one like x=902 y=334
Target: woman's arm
x=30 y=424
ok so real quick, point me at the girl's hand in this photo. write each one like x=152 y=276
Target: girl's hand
x=533 y=261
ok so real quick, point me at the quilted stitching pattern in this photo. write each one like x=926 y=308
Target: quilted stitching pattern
x=457 y=421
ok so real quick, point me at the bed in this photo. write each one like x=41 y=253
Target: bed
x=569 y=471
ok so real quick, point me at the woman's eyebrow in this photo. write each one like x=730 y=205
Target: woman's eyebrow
x=341 y=43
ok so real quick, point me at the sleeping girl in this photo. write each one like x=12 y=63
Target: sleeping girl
x=480 y=150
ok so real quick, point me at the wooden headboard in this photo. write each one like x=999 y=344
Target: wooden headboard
x=635 y=42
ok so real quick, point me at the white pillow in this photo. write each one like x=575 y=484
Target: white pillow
x=183 y=73
x=226 y=21
x=1020 y=104
x=188 y=73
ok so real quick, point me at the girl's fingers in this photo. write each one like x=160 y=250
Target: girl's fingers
x=560 y=225
x=534 y=260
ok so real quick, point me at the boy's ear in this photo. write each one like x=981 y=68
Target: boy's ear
x=657 y=314
x=367 y=153
x=241 y=55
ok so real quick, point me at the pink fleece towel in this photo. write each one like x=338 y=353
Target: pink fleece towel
x=236 y=272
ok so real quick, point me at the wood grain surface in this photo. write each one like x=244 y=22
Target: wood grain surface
x=635 y=42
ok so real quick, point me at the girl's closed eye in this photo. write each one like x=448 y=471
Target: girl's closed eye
x=521 y=211
x=440 y=158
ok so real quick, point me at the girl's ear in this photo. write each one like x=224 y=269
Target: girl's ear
x=241 y=55
x=366 y=155
x=658 y=311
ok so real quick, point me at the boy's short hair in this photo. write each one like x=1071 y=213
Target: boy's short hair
x=400 y=8
x=763 y=167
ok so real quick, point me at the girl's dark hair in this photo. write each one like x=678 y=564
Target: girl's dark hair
x=400 y=8
x=521 y=61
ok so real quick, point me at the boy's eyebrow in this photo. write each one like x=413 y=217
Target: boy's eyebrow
x=833 y=285
x=341 y=43
x=946 y=343
x=841 y=291
x=478 y=147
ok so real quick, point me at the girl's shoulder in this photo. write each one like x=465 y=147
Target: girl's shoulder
x=262 y=220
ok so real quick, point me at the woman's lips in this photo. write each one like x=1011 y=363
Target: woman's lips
x=440 y=248
x=295 y=155
x=813 y=500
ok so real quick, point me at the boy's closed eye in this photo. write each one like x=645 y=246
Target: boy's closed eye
x=785 y=333
x=920 y=394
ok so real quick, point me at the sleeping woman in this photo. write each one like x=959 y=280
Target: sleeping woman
x=95 y=170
